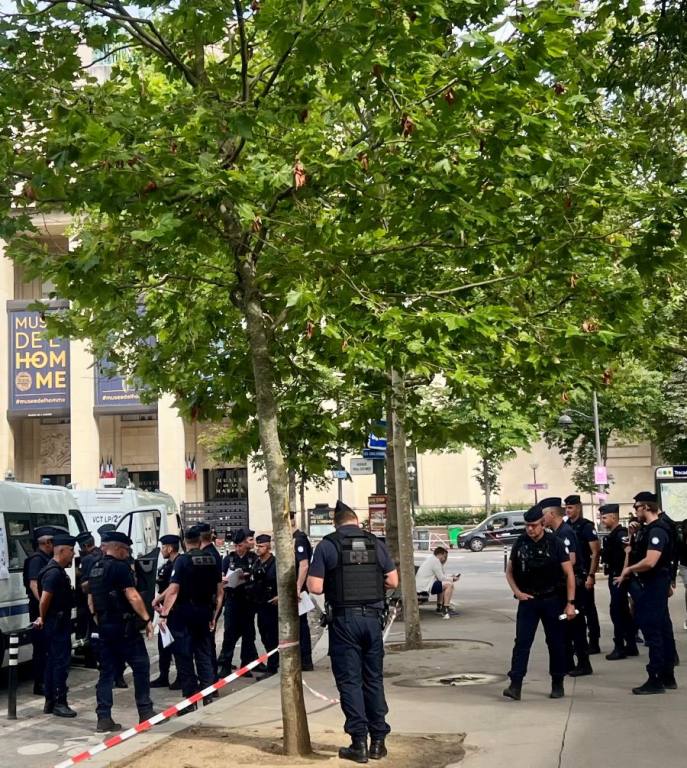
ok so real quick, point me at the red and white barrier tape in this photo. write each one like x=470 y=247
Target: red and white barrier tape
x=146 y=725
x=318 y=695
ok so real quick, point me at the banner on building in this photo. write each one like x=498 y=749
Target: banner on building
x=38 y=365
x=116 y=394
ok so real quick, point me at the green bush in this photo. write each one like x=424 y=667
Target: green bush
x=457 y=515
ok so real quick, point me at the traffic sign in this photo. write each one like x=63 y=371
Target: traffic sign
x=361 y=466
x=536 y=486
x=339 y=474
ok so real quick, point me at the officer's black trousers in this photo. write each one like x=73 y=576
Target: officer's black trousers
x=239 y=624
x=530 y=612
x=39 y=651
x=119 y=645
x=356 y=650
x=58 y=645
x=651 y=610
x=576 y=630
x=305 y=640
x=592 y=618
x=268 y=626
x=165 y=659
x=623 y=623
x=193 y=653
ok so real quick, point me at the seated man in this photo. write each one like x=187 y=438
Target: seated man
x=431 y=578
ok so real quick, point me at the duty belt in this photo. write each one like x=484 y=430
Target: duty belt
x=358 y=610
x=542 y=595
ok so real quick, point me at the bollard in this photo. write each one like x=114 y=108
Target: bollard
x=505 y=558
x=12 y=680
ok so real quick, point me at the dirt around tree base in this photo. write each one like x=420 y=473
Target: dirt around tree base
x=203 y=747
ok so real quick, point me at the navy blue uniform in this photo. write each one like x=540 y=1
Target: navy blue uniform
x=649 y=591
x=119 y=630
x=585 y=532
x=212 y=549
x=537 y=571
x=189 y=622
x=57 y=628
x=239 y=614
x=262 y=588
x=356 y=646
x=87 y=563
x=576 y=630
x=303 y=552
x=613 y=559
x=33 y=565
x=165 y=660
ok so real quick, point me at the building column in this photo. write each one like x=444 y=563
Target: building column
x=171 y=449
x=84 y=432
x=7 y=463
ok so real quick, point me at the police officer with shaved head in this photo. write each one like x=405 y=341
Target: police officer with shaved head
x=169 y=549
x=353 y=568
x=262 y=590
x=541 y=576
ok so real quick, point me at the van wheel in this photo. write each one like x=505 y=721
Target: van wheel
x=476 y=545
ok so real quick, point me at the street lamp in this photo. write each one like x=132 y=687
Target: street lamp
x=565 y=421
x=534 y=467
x=412 y=477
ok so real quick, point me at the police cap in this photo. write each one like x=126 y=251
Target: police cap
x=64 y=540
x=204 y=527
x=43 y=531
x=341 y=507
x=609 y=509
x=116 y=537
x=83 y=537
x=551 y=501
x=192 y=533
x=106 y=528
x=170 y=539
x=646 y=496
x=574 y=498
x=534 y=514
x=263 y=538
x=241 y=535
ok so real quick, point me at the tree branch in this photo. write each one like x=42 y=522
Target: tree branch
x=245 y=87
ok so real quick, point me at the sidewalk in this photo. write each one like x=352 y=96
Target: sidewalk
x=599 y=721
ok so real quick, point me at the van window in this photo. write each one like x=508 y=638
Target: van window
x=499 y=522
x=46 y=519
x=77 y=517
x=18 y=527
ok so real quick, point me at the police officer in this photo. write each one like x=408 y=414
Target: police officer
x=303 y=552
x=262 y=590
x=207 y=544
x=239 y=612
x=121 y=614
x=169 y=549
x=613 y=558
x=575 y=630
x=83 y=615
x=353 y=569
x=589 y=551
x=55 y=622
x=541 y=576
x=190 y=608
x=649 y=572
x=33 y=565
x=88 y=560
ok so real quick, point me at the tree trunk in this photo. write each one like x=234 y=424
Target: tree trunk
x=294 y=717
x=304 y=515
x=487 y=486
x=292 y=491
x=391 y=510
x=411 y=609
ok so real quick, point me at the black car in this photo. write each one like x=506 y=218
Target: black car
x=501 y=528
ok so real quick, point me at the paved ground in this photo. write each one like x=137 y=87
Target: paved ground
x=599 y=721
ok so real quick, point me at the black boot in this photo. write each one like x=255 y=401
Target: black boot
x=652 y=685
x=48 y=706
x=175 y=686
x=557 y=690
x=307 y=666
x=357 y=752
x=62 y=709
x=107 y=725
x=187 y=710
x=582 y=669
x=616 y=653
x=38 y=689
x=669 y=681
x=631 y=649
x=160 y=682
x=514 y=691
x=145 y=714
x=377 y=749
x=594 y=648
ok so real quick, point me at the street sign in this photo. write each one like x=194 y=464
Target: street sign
x=360 y=466
x=370 y=453
x=600 y=475
x=339 y=474
x=376 y=443
x=536 y=486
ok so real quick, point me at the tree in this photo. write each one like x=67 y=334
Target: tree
x=670 y=422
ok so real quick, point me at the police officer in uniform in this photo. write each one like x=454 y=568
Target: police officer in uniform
x=83 y=615
x=190 y=608
x=33 y=565
x=239 y=612
x=589 y=551
x=169 y=549
x=263 y=592
x=120 y=614
x=649 y=571
x=303 y=552
x=207 y=544
x=541 y=576
x=575 y=630
x=55 y=622
x=353 y=569
x=613 y=559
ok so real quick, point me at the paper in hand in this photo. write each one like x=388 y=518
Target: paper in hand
x=166 y=635
x=305 y=604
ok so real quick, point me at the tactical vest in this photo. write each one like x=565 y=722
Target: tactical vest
x=642 y=547
x=234 y=562
x=25 y=571
x=358 y=578
x=110 y=605
x=163 y=575
x=263 y=585
x=536 y=568
x=201 y=586
x=62 y=603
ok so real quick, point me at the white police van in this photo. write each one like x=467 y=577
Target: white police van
x=23 y=508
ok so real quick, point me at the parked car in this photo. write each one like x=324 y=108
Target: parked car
x=501 y=528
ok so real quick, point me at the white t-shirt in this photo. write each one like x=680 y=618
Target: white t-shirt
x=431 y=570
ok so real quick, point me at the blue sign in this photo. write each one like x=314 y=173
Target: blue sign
x=377 y=443
x=39 y=366
x=371 y=453
x=116 y=393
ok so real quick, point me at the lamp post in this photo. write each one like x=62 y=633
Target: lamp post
x=412 y=478
x=565 y=420
x=534 y=467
